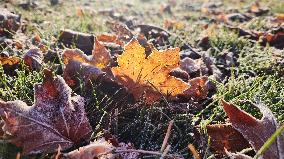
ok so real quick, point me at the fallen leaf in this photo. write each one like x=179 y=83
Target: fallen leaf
x=211 y=8
x=257 y=131
x=9 y=63
x=80 y=12
x=166 y=8
x=18 y=45
x=55 y=119
x=11 y=60
x=82 y=41
x=256 y=9
x=100 y=149
x=148 y=75
x=278 y=18
x=198 y=88
x=171 y=24
x=100 y=56
x=179 y=73
x=194 y=68
x=236 y=17
x=274 y=37
x=225 y=137
x=33 y=59
x=108 y=38
x=122 y=31
x=77 y=71
x=9 y=22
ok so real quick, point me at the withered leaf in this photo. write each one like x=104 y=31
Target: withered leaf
x=198 y=88
x=55 y=119
x=148 y=75
x=225 y=137
x=100 y=149
x=274 y=37
x=256 y=9
x=33 y=59
x=77 y=70
x=107 y=38
x=257 y=131
x=100 y=56
x=9 y=63
x=171 y=24
x=9 y=22
x=82 y=41
x=9 y=60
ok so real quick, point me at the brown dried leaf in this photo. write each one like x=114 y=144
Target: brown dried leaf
x=100 y=56
x=148 y=75
x=172 y=24
x=9 y=22
x=257 y=131
x=78 y=70
x=198 y=89
x=82 y=41
x=100 y=149
x=225 y=137
x=256 y=9
x=274 y=37
x=33 y=59
x=55 y=119
x=107 y=38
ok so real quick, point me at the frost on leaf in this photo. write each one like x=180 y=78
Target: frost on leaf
x=199 y=88
x=225 y=137
x=79 y=68
x=33 y=59
x=107 y=38
x=148 y=75
x=55 y=119
x=257 y=132
x=100 y=56
x=102 y=149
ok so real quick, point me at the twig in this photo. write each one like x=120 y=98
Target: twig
x=18 y=155
x=167 y=149
x=167 y=136
x=143 y=152
x=194 y=151
x=57 y=156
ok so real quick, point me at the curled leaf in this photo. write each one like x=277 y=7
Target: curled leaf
x=82 y=41
x=33 y=59
x=199 y=88
x=257 y=131
x=9 y=22
x=100 y=56
x=100 y=149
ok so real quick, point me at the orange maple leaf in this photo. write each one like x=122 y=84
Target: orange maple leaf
x=149 y=75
